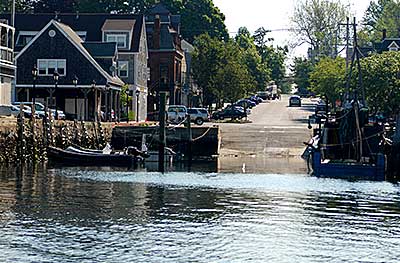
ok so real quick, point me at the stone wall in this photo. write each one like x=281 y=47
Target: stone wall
x=26 y=140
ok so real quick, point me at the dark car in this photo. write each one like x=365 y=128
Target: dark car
x=320 y=108
x=295 y=101
x=245 y=103
x=256 y=99
x=231 y=112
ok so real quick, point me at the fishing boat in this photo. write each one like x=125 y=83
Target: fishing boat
x=79 y=157
x=345 y=144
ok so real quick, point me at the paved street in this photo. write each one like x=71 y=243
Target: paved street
x=271 y=142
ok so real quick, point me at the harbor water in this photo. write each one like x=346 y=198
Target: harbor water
x=81 y=215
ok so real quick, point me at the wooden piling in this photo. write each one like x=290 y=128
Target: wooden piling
x=162 y=142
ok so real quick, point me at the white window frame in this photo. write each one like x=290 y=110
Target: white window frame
x=120 y=63
x=46 y=62
x=393 y=46
x=116 y=36
x=25 y=34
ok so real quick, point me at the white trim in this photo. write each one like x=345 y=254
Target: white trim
x=116 y=36
x=393 y=46
x=34 y=39
x=80 y=48
x=127 y=68
x=85 y=54
x=62 y=86
x=47 y=66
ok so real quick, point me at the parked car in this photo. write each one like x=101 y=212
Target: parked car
x=9 y=110
x=230 y=112
x=26 y=110
x=176 y=113
x=256 y=99
x=263 y=95
x=198 y=115
x=240 y=108
x=245 y=103
x=295 y=100
x=40 y=109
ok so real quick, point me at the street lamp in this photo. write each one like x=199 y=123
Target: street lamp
x=34 y=75
x=75 y=82
x=127 y=105
x=137 y=92
x=56 y=77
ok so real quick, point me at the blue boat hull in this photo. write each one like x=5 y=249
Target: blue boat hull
x=373 y=172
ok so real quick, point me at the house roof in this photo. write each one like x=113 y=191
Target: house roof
x=118 y=24
x=90 y=23
x=78 y=43
x=101 y=49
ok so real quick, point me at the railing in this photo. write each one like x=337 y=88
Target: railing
x=6 y=55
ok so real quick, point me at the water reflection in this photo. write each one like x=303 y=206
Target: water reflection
x=104 y=215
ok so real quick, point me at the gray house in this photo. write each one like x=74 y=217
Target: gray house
x=126 y=30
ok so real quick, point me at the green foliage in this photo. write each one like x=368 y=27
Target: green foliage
x=316 y=23
x=380 y=15
x=302 y=69
x=272 y=59
x=219 y=70
x=257 y=69
x=198 y=17
x=381 y=79
x=328 y=78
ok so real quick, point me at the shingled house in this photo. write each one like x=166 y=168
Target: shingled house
x=7 y=67
x=165 y=55
x=117 y=47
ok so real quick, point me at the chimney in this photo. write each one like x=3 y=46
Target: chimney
x=384 y=34
x=157 y=32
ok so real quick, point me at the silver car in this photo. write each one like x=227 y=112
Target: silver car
x=198 y=115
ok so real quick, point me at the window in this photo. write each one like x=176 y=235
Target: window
x=123 y=69
x=393 y=46
x=48 y=66
x=120 y=39
x=25 y=37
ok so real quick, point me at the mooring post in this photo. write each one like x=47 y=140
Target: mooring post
x=189 y=142
x=162 y=142
x=21 y=135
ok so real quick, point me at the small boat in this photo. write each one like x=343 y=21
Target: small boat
x=82 y=157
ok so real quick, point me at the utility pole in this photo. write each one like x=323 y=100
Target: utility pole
x=13 y=13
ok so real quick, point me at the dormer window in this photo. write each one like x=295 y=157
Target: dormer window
x=25 y=37
x=393 y=46
x=120 y=39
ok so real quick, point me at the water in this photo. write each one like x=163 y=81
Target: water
x=74 y=215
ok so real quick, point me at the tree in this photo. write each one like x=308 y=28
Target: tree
x=271 y=58
x=316 y=23
x=328 y=78
x=381 y=80
x=219 y=70
x=49 y=6
x=199 y=17
x=302 y=69
x=256 y=68
x=374 y=13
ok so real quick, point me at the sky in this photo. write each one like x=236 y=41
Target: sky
x=272 y=15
